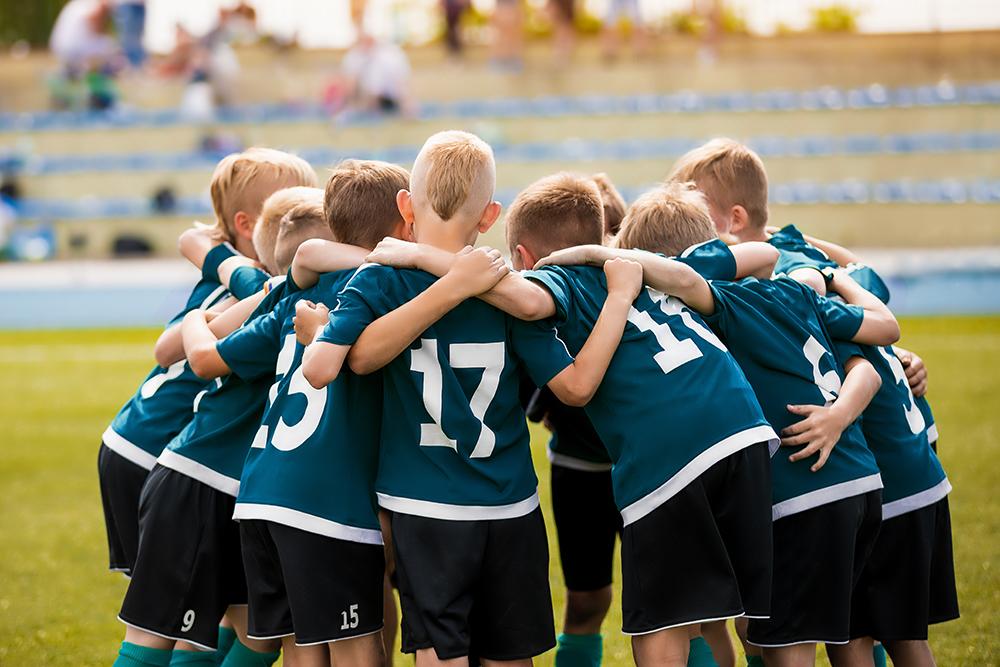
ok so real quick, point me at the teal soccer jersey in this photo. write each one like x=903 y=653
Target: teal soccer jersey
x=313 y=461
x=162 y=405
x=673 y=402
x=782 y=333
x=213 y=445
x=454 y=441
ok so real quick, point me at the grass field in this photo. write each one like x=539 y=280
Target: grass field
x=58 y=604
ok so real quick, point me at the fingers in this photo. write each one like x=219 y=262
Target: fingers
x=804 y=410
x=920 y=390
x=805 y=452
x=797 y=440
x=824 y=454
x=796 y=428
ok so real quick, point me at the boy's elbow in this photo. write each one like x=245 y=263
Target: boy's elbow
x=201 y=362
x=535 y=308
x=360 y=364
x=572 y=392
x=314 y=374
x=892 y=331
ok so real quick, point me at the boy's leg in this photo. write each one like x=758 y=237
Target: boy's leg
x=916 y=653
x=716 y=635
x=134 y=655
x=663 y=648
x=121 y=484
x=855 y=653
x=390 y=614
x=798 y=655
x=364 y=651
x=227 y=637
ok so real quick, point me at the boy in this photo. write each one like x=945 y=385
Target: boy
x=782 y=335
x=664 y=484
x=184 y=577
x=898 y=597
x=454 y=470
x=310 y=536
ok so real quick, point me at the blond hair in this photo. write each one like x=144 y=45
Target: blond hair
x=359 y=203
x=265 y=232
x=669 y=219
x=242 y=181
x=614 y=204
x=455 y=173
x=555 y=212
x=303 y=221
x=730 y=174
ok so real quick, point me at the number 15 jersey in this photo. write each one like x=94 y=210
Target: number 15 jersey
x=454 y=441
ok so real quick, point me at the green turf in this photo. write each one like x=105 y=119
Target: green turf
x=58 y=604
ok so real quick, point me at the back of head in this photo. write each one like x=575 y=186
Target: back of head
x=454 y=176
x=556 y=212
x=302 y=222
x=242 y=181
x=359 y=204
x=729 y=174
x=669 y=219
x=614 y=204
x=265 y=233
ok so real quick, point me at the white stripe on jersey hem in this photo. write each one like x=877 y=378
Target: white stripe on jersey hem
x=825 y=496
x=171 y=459
x=200 y=647
x=678 y=625
x=573 y=463
x=932 y=434
x=917 y=500
x=211 y=299
x=307 y=522
x=123 y=447
x=433 y=510
x=696 y=467
x=804 y=641
x=341 y=639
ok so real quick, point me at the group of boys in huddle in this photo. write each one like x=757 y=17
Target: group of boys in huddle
x=340 y=410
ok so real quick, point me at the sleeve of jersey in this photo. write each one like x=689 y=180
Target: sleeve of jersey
x=539 y=347
x=215 y=257
x=870 y=280
x=252 y=350
x=713 y=260
x=555 y=281
x=842 y=320
x=247 y=281
x=845 y=350
x=354 y=311
x=290 y=286
x=721 y=319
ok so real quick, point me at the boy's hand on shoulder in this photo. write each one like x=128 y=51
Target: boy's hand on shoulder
x=394 y=252
x=309 y=318
x=476 y=270
x=916 y=371
x=624 y=278
x=819 y=431
x=592 y=255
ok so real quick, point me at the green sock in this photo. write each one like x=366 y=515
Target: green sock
x=700 y=654
x=193 y=659
x=226 y=638
x=579 y=650
x=878 y=654
x=133 y=655
x=755 y=661
x=241 y=656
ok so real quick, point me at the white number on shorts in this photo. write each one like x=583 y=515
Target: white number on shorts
x=489 y=357
x=188 y=622
x=829 y=382
x=673 y=353
x=914 y=418
x=353 y=621
x=153 y=384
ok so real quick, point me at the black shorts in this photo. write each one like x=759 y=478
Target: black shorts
x=189 y=568
x=819 y=555
x=909 y=581
x=318 y=588
x=479 y=587
x=587 y=522
x=121 y=484
x=704 y=554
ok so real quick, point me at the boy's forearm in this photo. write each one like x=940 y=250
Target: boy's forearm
x=169 y=348
x=231 y=320
x=317 y=256
x=861 y=383
x=679 y=280
x=228 y=266
x=754 y=258
x=199 y=346
x=194 y=245
x=879 y=326
x=322 y=362
x=578 y=383
x=839 y=254
x=521 y=298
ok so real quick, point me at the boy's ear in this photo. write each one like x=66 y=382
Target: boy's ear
x=490 y=216
x=243 y=224
x=528 y=259
x=404 y=202
x=740 y=219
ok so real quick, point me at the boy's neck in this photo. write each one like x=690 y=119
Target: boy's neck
x=748 y=235
x=245 y=247
x=451 y=235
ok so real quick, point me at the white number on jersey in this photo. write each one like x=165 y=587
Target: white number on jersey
x=829 y=382
x=489 y=357
x=284 y=362
x=914 y=418
x=153 y=384
x=674 y=353
x=285 y=437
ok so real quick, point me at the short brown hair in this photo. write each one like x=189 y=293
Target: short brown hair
x=242 y=181
x=556 y=212
x=669 y=219
x=614 y=204
x=460 y=173
x=303 y=221
x=729 y=174
x=360 y=201
x=265 y=232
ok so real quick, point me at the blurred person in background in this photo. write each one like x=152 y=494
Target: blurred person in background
x=88 y=56
x=563 y=14
x=375 y=76
x=619 y=12
x=453 y=11
x=508 y=35
x=130 y=23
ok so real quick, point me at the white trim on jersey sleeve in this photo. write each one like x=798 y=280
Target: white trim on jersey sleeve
x=212 y=298
x=198 y=471
x=826 y=495
x=932 y=434
x=697 y=466
x=307 y=522
x=917 y=500
x=432 y=510
x=128 y=450
x=573 y=463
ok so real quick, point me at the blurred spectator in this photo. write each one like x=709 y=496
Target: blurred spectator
x=376 y=76
x=508 y=37
x=453 y=10
x=563 y=14
x=620 y=12
x=88 y=56
x=130 y=22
